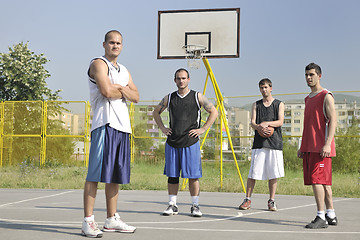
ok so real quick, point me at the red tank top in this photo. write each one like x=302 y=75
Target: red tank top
x=315 y=125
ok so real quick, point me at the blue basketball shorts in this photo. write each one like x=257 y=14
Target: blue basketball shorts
x=109 y=159
x=186 y=160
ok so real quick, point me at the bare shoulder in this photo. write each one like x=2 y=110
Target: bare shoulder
x=253 y=106
x=164 y=100
x=98 y=66
x=98 y=63
x=204 y=102
x=329 y=99
x=162 y=104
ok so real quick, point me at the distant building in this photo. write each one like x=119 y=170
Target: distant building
x=239 y=125
x=294 y=116
x=75 y=123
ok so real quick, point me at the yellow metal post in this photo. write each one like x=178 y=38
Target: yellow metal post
x=12 y=132
x=87 y=133
x=1 y=131
x=132 y=142
x=220 y=103
x=43 y=133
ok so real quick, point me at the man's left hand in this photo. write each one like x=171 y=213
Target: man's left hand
x=196 y=132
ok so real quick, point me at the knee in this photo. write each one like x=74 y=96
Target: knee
x=173 y=180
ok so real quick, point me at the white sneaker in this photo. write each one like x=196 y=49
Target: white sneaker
x=195 y=211
x=172 y=209
x=90 y=228
x=115 y=224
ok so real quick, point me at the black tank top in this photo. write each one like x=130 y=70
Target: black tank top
x=270 y=113
x=184 y=115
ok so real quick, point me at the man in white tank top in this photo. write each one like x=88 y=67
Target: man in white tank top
x=111 y=86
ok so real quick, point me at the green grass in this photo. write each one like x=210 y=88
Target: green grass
x=145 y=176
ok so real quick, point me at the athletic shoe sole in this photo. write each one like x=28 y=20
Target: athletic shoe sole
x=91 y=236
x=118 y=230
x=195 y=215
x=244 y=208
x=169 y=214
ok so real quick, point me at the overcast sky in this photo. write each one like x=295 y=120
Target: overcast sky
x=278 y=38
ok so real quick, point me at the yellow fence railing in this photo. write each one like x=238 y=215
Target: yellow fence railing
x=27 y=127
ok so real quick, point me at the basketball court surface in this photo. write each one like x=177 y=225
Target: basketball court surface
x=57 y=214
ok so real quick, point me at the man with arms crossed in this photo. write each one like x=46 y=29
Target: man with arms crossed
x=111 y=86
x=182 y=150
x=318 y=146
x=267 y=157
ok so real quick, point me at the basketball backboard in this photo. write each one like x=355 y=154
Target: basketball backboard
x=218 y=30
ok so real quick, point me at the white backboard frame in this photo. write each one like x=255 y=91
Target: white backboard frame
x=216 y=29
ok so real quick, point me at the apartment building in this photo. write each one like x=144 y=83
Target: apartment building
x=239 y=126
x=294 y=116
x=75 y=123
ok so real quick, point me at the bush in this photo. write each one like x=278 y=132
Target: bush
x=291 y=161
x=347 y=158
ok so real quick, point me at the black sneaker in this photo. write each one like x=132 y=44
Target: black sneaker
x=317 y=223
x=272 y=205
x=172 y=209
x=331 y=221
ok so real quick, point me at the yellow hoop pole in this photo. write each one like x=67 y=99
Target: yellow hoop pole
x=220 y=101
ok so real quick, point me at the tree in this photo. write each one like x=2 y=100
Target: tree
x=347 y=149
x=143 y=142
x=23 y=75
x=23 y=78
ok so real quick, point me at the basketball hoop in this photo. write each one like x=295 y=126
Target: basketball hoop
x=193 y=53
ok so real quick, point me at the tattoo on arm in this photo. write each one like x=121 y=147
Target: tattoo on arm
x=162 y=105
x=206 y=104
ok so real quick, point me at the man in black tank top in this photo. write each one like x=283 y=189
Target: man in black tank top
x=267 y=157
x=182 y=149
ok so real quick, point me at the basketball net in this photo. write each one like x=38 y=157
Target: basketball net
x=193 y=54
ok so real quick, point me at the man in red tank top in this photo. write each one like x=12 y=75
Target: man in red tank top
x=318 y=146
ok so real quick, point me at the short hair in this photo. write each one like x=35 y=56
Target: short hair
x=181 y=69
x=107 y=35
x=265 y=81
x=313 y=66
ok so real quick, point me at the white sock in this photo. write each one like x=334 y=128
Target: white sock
x=195 y=200
x=172 y=198
x=331 y=213
x=248 y=198
x=321 y=214
x=89 y=218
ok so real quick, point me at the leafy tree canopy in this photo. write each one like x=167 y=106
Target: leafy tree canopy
x=22 y=75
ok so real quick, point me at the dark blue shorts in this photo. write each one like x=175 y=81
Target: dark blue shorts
x=186 y=159
x=109 y=159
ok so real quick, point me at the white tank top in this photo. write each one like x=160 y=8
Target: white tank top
x=114 y=112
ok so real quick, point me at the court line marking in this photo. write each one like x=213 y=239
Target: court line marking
x=78 y=224
x=240 y=214
x=32 y=199
x=66 y=223
x=290 y=208
x=249 y=231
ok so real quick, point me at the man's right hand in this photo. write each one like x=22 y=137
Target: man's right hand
x=167 y=131
x=300 y=154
